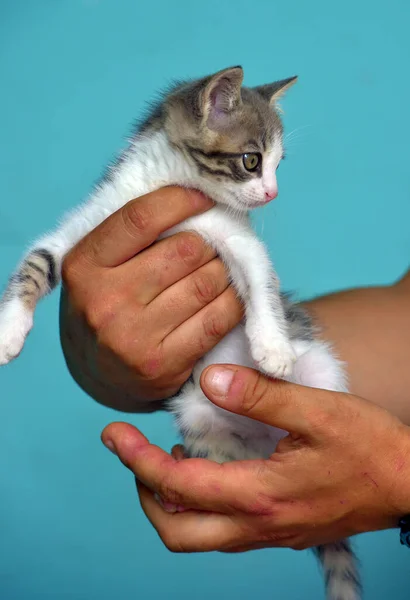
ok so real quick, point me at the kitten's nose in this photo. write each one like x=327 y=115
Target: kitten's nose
x=271 y=193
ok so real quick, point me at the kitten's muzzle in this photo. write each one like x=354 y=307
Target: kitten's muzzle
x=270 y=194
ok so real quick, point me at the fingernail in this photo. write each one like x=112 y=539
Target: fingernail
x=108 y=444
x=167 y=506
x=218 y=380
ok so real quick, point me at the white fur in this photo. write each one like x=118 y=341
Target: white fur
x=270 y=164
x=15 y=324
x=315 y=367
x=151 y=163
x=262 y=342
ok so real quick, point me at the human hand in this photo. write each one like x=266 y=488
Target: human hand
x=342 y=470
x=136 y=315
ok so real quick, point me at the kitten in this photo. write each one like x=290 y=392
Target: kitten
x=226 y=140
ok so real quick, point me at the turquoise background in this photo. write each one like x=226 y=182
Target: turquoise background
x=73 y=75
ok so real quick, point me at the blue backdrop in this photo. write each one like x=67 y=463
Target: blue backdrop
x=74 y=74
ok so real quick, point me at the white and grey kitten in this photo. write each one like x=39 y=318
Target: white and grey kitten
x=226 y=140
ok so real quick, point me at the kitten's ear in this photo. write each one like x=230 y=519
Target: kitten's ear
x=221 y=96
x=272 y=92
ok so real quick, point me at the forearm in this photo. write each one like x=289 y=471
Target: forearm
x=370 y=330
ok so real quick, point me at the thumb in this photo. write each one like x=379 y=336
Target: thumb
x=275 y=402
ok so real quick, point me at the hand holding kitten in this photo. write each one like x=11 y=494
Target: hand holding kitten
x=225 y=139
x=131 y=306
x=328 y=479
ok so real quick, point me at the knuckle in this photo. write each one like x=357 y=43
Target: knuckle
x=101 y=306
x=319 y=419
x=204 y=288
x=278 y=539
x=167 y=490
x=95 y=313
x=137 y=217
x=69 y=269
x=150 y=364
x=215 y=324
x=330 y=415
x=190 y=247
x=255 y=392
x=92 y=316
x=322 y=419
x=298 y=545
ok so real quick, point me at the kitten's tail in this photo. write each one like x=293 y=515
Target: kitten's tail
x=38 y=274
x=340 y=568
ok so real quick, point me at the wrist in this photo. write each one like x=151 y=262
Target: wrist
x=399 y=468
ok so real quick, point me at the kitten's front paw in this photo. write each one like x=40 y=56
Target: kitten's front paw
x=15 y=323
x=275 y=359
x=221 y=447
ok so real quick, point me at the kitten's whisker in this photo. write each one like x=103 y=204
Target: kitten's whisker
x=297 y=130
x=296 y=134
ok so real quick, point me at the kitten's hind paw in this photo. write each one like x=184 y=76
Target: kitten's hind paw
x=15 y=323
x=274 y=359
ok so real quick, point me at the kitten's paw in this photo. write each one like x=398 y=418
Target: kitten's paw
x=15 y=323
x=222 y=447
x=275 y=359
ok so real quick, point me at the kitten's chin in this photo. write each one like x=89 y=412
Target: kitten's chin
x=257 y=203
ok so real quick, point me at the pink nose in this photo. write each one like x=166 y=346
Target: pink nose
x=271 y=194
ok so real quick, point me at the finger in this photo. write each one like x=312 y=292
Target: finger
x=203 y=331
x=192 y=483
x=165 y=263
x=278 y=403
x=178 y=452
x=189 y=531
x=186 y=298
x=245 y=548
x=138 y=224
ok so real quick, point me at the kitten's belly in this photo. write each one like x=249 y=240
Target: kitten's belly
x=234 y=349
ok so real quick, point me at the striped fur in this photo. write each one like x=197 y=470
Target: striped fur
x=36 y=277
x=196 y=137
x=340 y=568
x=222 y=164
x=315 y=367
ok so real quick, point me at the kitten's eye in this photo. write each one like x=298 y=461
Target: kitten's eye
x=251 y=161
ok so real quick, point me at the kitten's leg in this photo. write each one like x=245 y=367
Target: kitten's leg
x=317 y=367
x=37 y=275
x=255 y=280
x=257 y=284
x=209 y=432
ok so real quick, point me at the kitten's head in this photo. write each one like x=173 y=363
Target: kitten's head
x=233 y=134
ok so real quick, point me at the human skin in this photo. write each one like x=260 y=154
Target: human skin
x=131 y=305
x=343 y=469
x=128 y=306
